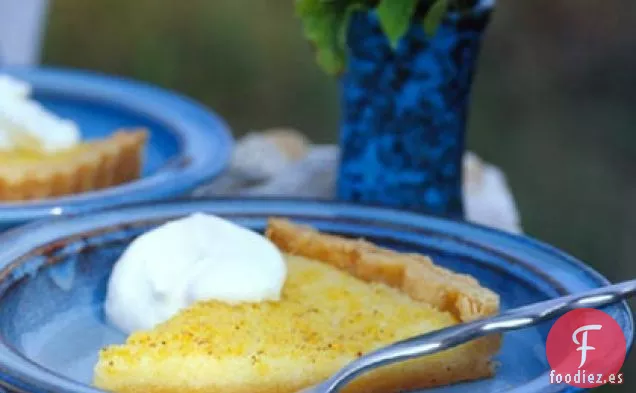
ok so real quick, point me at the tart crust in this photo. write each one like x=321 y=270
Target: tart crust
x=414 y=274
x=417 y=276
x=87 y=167
x=176 y=357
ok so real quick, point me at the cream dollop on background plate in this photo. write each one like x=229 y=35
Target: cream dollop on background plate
x=199 y=257
x=25 y=124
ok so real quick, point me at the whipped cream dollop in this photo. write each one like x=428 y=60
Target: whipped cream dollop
x=25 y=124
x=199 y=257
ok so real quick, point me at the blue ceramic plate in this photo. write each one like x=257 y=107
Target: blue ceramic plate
x=188 y=145
x=53 y=277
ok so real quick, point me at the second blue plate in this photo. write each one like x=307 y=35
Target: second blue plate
x=188 y=144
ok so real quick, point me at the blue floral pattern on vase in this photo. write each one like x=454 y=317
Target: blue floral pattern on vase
x=404 y=113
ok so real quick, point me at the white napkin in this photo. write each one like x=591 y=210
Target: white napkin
x=281 y=162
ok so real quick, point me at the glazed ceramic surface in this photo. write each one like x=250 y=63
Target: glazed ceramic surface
x=188 y=144
x=53 y=278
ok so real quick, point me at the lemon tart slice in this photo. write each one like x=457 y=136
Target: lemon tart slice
x=341 y=299
x=35 y=174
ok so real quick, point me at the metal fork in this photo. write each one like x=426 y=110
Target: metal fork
x=443 y=339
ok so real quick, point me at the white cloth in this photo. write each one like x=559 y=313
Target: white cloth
x=21 y=27
x=488 y=199
x=260 y=168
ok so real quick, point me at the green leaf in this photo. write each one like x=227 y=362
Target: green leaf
x=325 y=24
x=320 y=21
x=434 y=16
x=395 y=18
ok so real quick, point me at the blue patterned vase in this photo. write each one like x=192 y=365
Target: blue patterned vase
x=404 y=113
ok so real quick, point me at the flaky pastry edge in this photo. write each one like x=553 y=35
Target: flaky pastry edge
x=414 y=274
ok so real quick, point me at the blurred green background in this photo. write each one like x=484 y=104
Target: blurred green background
x=552 y=103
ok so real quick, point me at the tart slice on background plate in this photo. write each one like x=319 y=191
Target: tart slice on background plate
x=89 y=166
x=43 y=155
x=73 y=141
x=342 y=298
